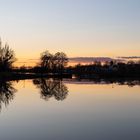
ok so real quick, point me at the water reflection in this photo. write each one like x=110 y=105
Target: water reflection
x=51 y=88
x=128 y=82
x=56 y=88
x=6 y=93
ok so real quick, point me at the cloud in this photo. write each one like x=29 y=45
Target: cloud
x=129 y=57
x=92 y=59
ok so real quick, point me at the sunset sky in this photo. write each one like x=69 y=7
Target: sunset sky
x=76 y=27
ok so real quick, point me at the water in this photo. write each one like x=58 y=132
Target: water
x=69 y=110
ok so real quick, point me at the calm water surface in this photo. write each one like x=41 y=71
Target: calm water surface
x=69 y=110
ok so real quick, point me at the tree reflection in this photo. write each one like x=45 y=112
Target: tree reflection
x=6 y=93
x=51 y=88
x=118 y=81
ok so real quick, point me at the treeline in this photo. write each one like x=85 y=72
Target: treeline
x=109 y=69
x=49 y=63
x=57 y=64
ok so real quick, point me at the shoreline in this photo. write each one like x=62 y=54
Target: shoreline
x=9 y=76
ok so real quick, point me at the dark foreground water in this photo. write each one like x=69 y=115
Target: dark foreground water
x=69 y=110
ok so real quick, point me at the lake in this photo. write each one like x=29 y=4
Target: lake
x=42 y=109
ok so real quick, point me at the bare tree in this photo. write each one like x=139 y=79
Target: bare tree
x=7 y=57
x=55 y=62
x=61 y=60
x=46 y=60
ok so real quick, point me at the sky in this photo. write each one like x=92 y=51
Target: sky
x=77 y=27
